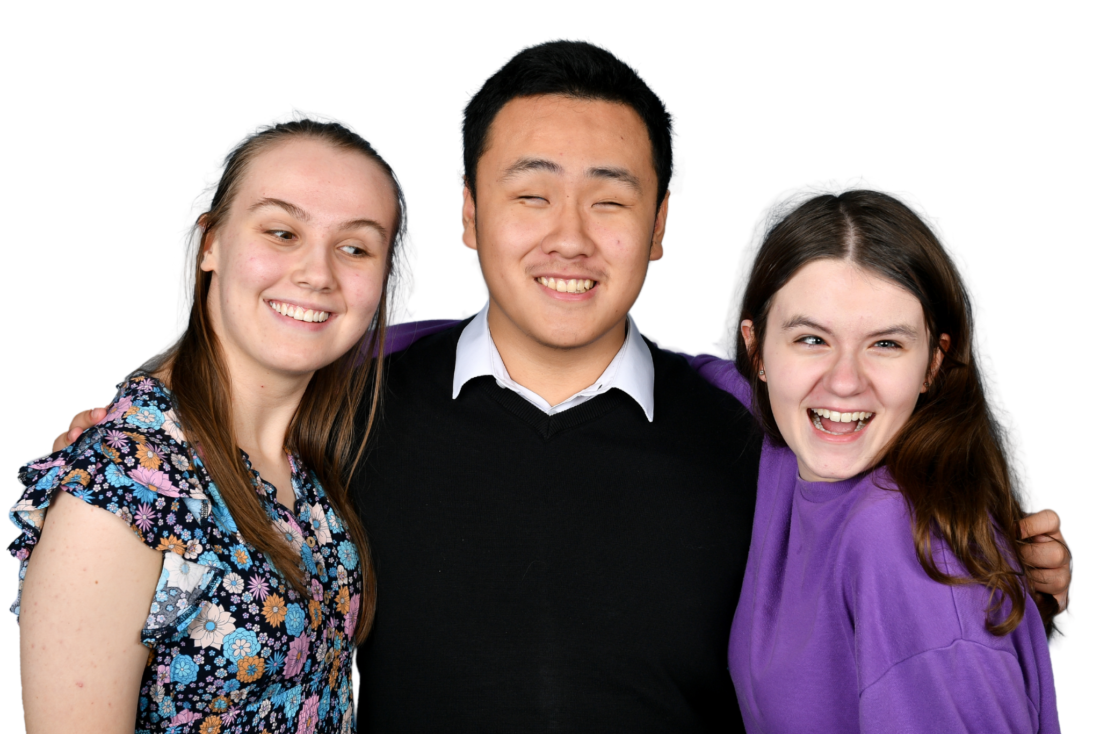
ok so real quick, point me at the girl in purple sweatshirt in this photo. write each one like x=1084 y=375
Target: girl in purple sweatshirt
x=882 y=592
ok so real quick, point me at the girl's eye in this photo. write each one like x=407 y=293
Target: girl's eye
x=812 y=341
x=281 y=234
x=353 y=250
x=887 y=344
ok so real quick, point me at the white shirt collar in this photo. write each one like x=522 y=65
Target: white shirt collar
x=630 y=371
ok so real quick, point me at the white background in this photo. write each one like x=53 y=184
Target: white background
x=984 y=115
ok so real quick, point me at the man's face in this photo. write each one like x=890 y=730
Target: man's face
x=566 y=219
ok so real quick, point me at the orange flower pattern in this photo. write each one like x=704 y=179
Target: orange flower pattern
x=232 y=647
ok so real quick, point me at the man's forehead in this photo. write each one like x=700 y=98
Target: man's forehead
x=557 y=127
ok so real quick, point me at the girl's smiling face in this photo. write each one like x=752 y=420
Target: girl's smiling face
x=299 y=264
x=845 y=356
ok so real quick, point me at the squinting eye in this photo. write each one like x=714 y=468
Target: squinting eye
x=887 y=344
x=812 y=341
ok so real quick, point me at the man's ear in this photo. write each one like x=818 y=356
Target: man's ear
x=657 y=249
x=749 y=335
x=469 y=218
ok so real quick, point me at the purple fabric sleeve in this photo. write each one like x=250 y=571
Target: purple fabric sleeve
x=964 y=687
x=724 y=375
x=401 y=336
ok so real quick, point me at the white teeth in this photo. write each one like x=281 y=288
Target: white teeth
x=298 y=313
x=563 y=285
x=841 y=417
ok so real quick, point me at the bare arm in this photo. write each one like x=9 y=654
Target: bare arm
x=86 y=596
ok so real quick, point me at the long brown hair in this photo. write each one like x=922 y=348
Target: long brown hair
x=949 y=459
x=323 y=429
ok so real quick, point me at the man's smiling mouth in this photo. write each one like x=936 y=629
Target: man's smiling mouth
x=836 y=423
x=572 y=285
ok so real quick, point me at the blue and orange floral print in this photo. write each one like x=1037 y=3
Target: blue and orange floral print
x=233 y=648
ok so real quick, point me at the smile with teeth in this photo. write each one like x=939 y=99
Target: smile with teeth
x=860 y=418
x=561 y=285
x=298 y=313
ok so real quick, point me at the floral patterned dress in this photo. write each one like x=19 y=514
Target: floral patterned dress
x=232 y=646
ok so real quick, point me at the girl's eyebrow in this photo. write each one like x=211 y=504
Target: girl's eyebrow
x=291 y=209
x=301 y=214
x=805 y=322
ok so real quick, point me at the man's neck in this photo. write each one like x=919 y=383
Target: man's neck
x=553 y=373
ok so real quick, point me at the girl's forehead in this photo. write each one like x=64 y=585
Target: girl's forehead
x=842 y=296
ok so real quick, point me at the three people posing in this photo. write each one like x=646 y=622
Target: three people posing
x=559 y=512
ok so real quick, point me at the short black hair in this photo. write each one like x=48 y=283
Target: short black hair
x=571 y=69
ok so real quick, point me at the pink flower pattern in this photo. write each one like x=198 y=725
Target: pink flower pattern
x=198 y=626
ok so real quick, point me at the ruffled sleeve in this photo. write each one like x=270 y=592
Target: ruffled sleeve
x=136 y=465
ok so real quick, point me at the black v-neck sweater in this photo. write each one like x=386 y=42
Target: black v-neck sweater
x=575 y=572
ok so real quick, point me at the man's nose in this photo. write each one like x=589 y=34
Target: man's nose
x=569 y=237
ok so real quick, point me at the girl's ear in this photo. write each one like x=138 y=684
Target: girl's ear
x=937 y=360
x=207 y=243
x=749 y=335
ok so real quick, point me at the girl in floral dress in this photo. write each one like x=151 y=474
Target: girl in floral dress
x=192 y=563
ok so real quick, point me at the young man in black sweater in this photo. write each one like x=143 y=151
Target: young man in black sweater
x=559 y=512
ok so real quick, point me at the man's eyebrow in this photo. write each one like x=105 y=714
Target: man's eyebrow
x=523 y=165
x=616 y=174
x=291 y=209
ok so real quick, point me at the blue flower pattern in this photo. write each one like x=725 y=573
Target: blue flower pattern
x=224 y=657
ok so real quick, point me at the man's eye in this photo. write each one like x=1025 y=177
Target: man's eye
x=609 y=203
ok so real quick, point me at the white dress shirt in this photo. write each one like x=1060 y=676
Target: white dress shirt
x=630 y=371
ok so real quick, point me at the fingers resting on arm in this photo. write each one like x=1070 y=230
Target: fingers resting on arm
x=81 y=422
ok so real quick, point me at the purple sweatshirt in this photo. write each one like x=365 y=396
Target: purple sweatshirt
x=839 y=629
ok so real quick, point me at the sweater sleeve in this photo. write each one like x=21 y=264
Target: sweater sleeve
x=723 y=374
x=402 y=336
x=963 y=687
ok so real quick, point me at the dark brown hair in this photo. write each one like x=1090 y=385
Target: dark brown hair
x=949 y=459
x=323 y=430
